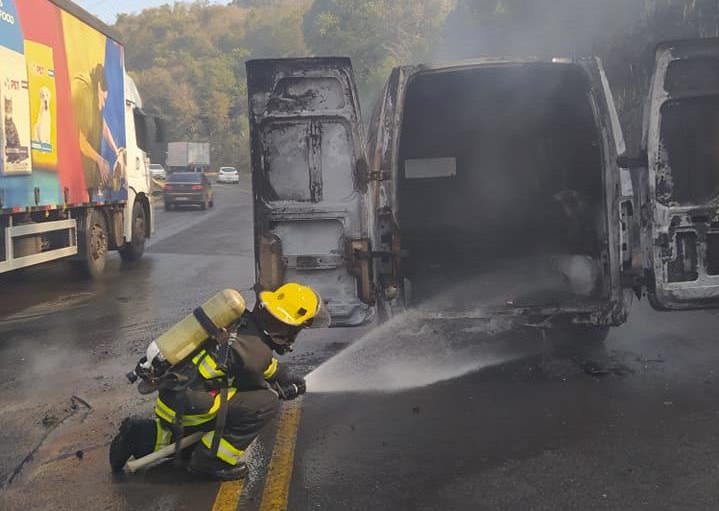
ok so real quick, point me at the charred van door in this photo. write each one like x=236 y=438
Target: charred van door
x=382 y=147
x=682 y=183
x=309 y=180
x=619 y=265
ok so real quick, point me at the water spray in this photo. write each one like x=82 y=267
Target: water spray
x=407 y=352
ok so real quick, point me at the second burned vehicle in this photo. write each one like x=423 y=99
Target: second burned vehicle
x=489 y=189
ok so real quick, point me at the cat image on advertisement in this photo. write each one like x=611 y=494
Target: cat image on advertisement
x=12 y=137
x=43 y=126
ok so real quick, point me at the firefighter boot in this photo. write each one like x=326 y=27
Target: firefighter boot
x=205 y=464
x=136 y=438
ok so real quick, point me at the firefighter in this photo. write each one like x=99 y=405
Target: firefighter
x=250 y=388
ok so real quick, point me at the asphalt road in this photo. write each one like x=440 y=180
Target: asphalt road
x=630 y=425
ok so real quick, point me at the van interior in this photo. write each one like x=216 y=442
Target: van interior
x=500 y=190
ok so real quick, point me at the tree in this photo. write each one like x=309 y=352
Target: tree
x=189 y=59
x=378 y=35
x=276 y=31
x=188 y=62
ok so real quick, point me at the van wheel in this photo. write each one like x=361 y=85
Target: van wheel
x=133 y=251
x=93 y=244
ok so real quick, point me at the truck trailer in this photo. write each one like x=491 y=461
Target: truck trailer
x=74 y=178
x=188 y=156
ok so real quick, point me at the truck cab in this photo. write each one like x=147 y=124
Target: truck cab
x=486 y=190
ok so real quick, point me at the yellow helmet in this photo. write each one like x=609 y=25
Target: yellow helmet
x=295 y=305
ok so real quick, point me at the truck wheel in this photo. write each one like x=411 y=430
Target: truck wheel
x=133 y=251
x=93 y=244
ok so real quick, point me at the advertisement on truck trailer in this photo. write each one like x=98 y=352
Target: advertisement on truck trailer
x=62 y=85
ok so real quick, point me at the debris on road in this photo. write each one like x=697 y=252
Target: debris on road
x=52 y=423
x=75 y=400
x=50 y=420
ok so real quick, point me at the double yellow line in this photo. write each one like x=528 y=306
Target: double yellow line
x=279 y=472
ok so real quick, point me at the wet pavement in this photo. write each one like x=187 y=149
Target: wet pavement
x=630 y=425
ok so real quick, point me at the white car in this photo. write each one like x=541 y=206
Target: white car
x=228 y=175
x=157 y=171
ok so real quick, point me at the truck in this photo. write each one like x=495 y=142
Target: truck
x=494 y=190
x=74 y=180
x=188 y=156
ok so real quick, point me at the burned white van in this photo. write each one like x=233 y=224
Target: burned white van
x=486 y=189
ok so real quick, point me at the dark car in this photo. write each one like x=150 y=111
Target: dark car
x=188 y=188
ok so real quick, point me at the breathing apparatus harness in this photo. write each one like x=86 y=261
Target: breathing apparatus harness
x=158 y=374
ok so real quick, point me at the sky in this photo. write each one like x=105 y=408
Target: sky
x=107 y=10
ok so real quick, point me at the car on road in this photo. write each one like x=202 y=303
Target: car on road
x=188 y=188
x=157 y=171
x=228 y=175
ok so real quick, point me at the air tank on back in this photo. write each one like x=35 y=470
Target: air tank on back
x=186 y=336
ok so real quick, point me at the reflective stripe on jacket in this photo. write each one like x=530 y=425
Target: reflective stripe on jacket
x=209 y=369
x=167 y=414
x=207 y=365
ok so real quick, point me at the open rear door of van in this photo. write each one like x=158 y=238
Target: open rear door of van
x=309 y=181
x=682 y=142
x=618 y=193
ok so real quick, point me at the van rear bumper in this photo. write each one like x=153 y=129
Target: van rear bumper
x=594 y=314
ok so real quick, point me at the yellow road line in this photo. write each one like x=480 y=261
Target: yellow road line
x=228 y=496
x=279 y=473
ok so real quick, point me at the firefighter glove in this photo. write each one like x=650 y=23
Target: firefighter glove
x=292 y=391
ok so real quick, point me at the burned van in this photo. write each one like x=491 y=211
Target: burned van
x=486 y=189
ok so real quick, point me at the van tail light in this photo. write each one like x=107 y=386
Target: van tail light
x=197 y=187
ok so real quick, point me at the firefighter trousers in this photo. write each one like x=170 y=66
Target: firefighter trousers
x=248 y=411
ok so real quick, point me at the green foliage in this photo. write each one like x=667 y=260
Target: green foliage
x=377 y=34
x=189 y=64
x=276 y=31
x=188 y=59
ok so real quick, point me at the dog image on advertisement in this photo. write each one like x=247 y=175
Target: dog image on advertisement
x=119 y=171
x=43 y=127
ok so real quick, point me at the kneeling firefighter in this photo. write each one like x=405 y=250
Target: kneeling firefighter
x=215 y=372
